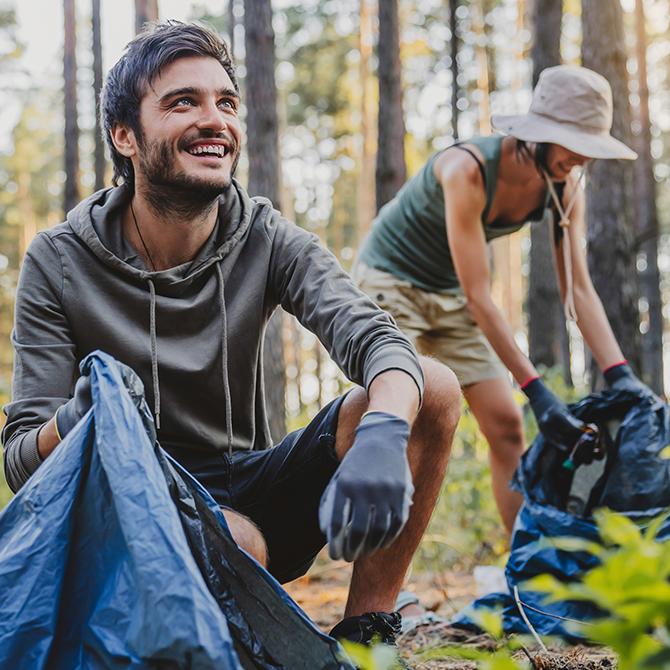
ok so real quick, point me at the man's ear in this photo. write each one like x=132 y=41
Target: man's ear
x=124 y=140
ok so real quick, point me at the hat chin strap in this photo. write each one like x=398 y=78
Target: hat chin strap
x=569 y=303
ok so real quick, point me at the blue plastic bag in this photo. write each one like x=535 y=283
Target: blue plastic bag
x=635 y=482
x=105 y=562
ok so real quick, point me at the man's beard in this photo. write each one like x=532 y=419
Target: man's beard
x=171 y=193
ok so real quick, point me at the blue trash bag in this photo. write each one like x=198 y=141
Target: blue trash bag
x=635 y=482
x=112 y=556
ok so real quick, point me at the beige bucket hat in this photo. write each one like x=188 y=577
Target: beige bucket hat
x=572 y=106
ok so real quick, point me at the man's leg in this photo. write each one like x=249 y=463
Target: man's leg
x=499 y=418
x=247 y=535
x=377 y=579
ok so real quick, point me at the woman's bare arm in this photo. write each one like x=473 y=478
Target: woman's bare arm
x=591 y=318
x=465 y=200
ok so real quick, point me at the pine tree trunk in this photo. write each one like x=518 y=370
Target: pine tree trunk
x=453 y=27
x=547 y=334
x=231 y=28
x=391 y=171
x=647 y=217
x=263 y=149
x=99 y=151
x=609 y=192
x=365 y=187
x=70 y=99
x=145 y=10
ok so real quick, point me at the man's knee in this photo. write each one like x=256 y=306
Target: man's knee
x=441 y=397
x=247 y=535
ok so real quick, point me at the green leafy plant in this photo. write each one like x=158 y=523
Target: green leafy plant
x=502 y=658
x=374 y=657
x=630 y=585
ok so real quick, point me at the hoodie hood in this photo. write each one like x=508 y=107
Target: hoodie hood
x=97 y=223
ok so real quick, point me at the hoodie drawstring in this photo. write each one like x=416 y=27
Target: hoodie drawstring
x=569 y=304
x=154 y=356
x=224 y=362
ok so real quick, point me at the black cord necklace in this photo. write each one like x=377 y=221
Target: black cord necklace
x=141 y=238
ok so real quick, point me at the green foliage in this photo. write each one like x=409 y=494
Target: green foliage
x=489 y=621
x=630 y=585
x=374 y=657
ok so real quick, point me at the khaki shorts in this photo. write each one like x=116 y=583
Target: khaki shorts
x=437 y=324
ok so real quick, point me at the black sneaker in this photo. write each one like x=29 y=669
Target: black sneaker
x=371 y=628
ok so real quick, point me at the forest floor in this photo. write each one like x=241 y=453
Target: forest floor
x=322 y=594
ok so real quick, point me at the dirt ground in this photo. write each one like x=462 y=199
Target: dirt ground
x=322 y=594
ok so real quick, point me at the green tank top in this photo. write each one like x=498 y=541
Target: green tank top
x=408 y=239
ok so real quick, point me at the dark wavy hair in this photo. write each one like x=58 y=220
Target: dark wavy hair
x=158 y=45
x=540 y=157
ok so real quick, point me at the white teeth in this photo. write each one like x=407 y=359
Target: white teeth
x=210 y=149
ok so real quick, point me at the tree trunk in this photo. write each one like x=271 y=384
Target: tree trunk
x=365 y=188
x=231 y=28
x=70 y=99
x=145 y=11
x=453 y=27
x=391 y=171
x=545 y=48
x=263 y=149
x=547 y=334
x=99 y=152
x=609 y=192
x=647 y=217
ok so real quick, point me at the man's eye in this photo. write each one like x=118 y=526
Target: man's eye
x=183 y=101
x=228 y=104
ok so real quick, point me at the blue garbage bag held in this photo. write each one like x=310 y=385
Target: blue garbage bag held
x=635 y=482
x=107 y=560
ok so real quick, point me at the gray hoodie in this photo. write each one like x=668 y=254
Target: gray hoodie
x=193 y=333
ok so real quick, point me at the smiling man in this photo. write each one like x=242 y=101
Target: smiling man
x=175 y=271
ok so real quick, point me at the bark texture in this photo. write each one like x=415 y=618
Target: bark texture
x=647 y=217
x=99 y=151
x=145 y=10
x=263 y=150
x=71 y=197
x=391 y=171
x=548 y=343
x=609 y=192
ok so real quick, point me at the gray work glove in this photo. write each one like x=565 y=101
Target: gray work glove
x=366 y=504
x=69 y=414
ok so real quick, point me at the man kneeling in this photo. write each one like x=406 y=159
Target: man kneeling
x=175 y=272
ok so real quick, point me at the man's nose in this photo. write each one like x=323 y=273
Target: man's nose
x=211 y=117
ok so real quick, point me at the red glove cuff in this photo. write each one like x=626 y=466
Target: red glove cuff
x=528 y=381
x=623 y=362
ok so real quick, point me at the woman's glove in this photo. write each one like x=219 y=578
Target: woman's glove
x=621 y=378
x=366 y=504
x=556 y=424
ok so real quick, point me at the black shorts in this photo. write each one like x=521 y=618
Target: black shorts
x=278 y=489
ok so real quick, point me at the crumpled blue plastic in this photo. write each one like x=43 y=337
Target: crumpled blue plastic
x=636 y=483
x=95 y=568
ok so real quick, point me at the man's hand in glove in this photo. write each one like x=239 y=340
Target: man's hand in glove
x=621 y=378
x=366 y=504
x=69 y=414
x=554 y=420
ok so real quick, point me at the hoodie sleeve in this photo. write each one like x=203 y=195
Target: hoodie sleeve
x=309 y=283
x=44 y=359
